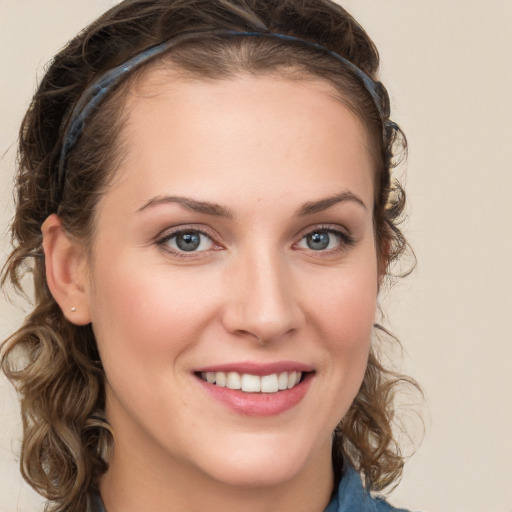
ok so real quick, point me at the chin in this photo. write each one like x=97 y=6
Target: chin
x=267 y=463
x=245 y=474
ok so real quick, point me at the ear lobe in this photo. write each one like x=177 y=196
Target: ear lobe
x=66 y=271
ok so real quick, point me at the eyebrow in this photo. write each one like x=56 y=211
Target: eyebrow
x=217 y=210
x=190 y=204
x=323 y=204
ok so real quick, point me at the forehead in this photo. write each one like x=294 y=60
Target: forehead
x=213 y=134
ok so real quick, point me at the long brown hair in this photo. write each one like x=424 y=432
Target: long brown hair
x=60 y=379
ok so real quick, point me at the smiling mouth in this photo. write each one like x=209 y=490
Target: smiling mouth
x=249 y=383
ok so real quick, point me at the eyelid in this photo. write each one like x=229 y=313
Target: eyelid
x=167 y=234
x=347 y=239
x=334 y=228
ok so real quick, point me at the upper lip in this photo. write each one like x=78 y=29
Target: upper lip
x=254 y=368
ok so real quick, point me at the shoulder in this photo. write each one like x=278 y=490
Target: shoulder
x=352 y=497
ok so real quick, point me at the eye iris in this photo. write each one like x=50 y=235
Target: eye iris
x=188 y=241
x=318 y=241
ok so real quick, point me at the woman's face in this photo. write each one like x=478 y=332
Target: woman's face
x=235 y=246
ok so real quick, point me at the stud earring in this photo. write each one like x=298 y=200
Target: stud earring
x=73 y=309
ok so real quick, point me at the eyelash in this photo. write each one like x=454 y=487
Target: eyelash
x=346 y=240
x=165 y=239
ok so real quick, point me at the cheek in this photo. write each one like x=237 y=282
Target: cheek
x=346 y=300
x=344 y=312
x=350 y=335
x=146 y=314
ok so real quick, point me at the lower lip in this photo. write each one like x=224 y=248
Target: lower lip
x=259 y=404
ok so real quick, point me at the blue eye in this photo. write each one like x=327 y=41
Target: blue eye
x=318 y=241
x=324 y=239
x=190 y=240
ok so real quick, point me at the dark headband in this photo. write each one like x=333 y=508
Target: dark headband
x=95 y=93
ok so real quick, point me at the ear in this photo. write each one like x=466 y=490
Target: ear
x=66 y=271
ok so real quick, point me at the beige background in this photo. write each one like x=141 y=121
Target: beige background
x=448 y=66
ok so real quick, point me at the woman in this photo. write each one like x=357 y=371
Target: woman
x=204 y=192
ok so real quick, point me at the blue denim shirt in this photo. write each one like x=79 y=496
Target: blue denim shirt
x=351 y=497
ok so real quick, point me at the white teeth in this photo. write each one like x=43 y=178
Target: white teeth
x=282 y=381
x=269 y=384
x=233 y=380
x=253 y=383
x=292 y=379
x=220 y=379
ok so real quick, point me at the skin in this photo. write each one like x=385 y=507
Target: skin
x=262 y=148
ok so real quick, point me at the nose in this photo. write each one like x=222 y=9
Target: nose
x=262 y=304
